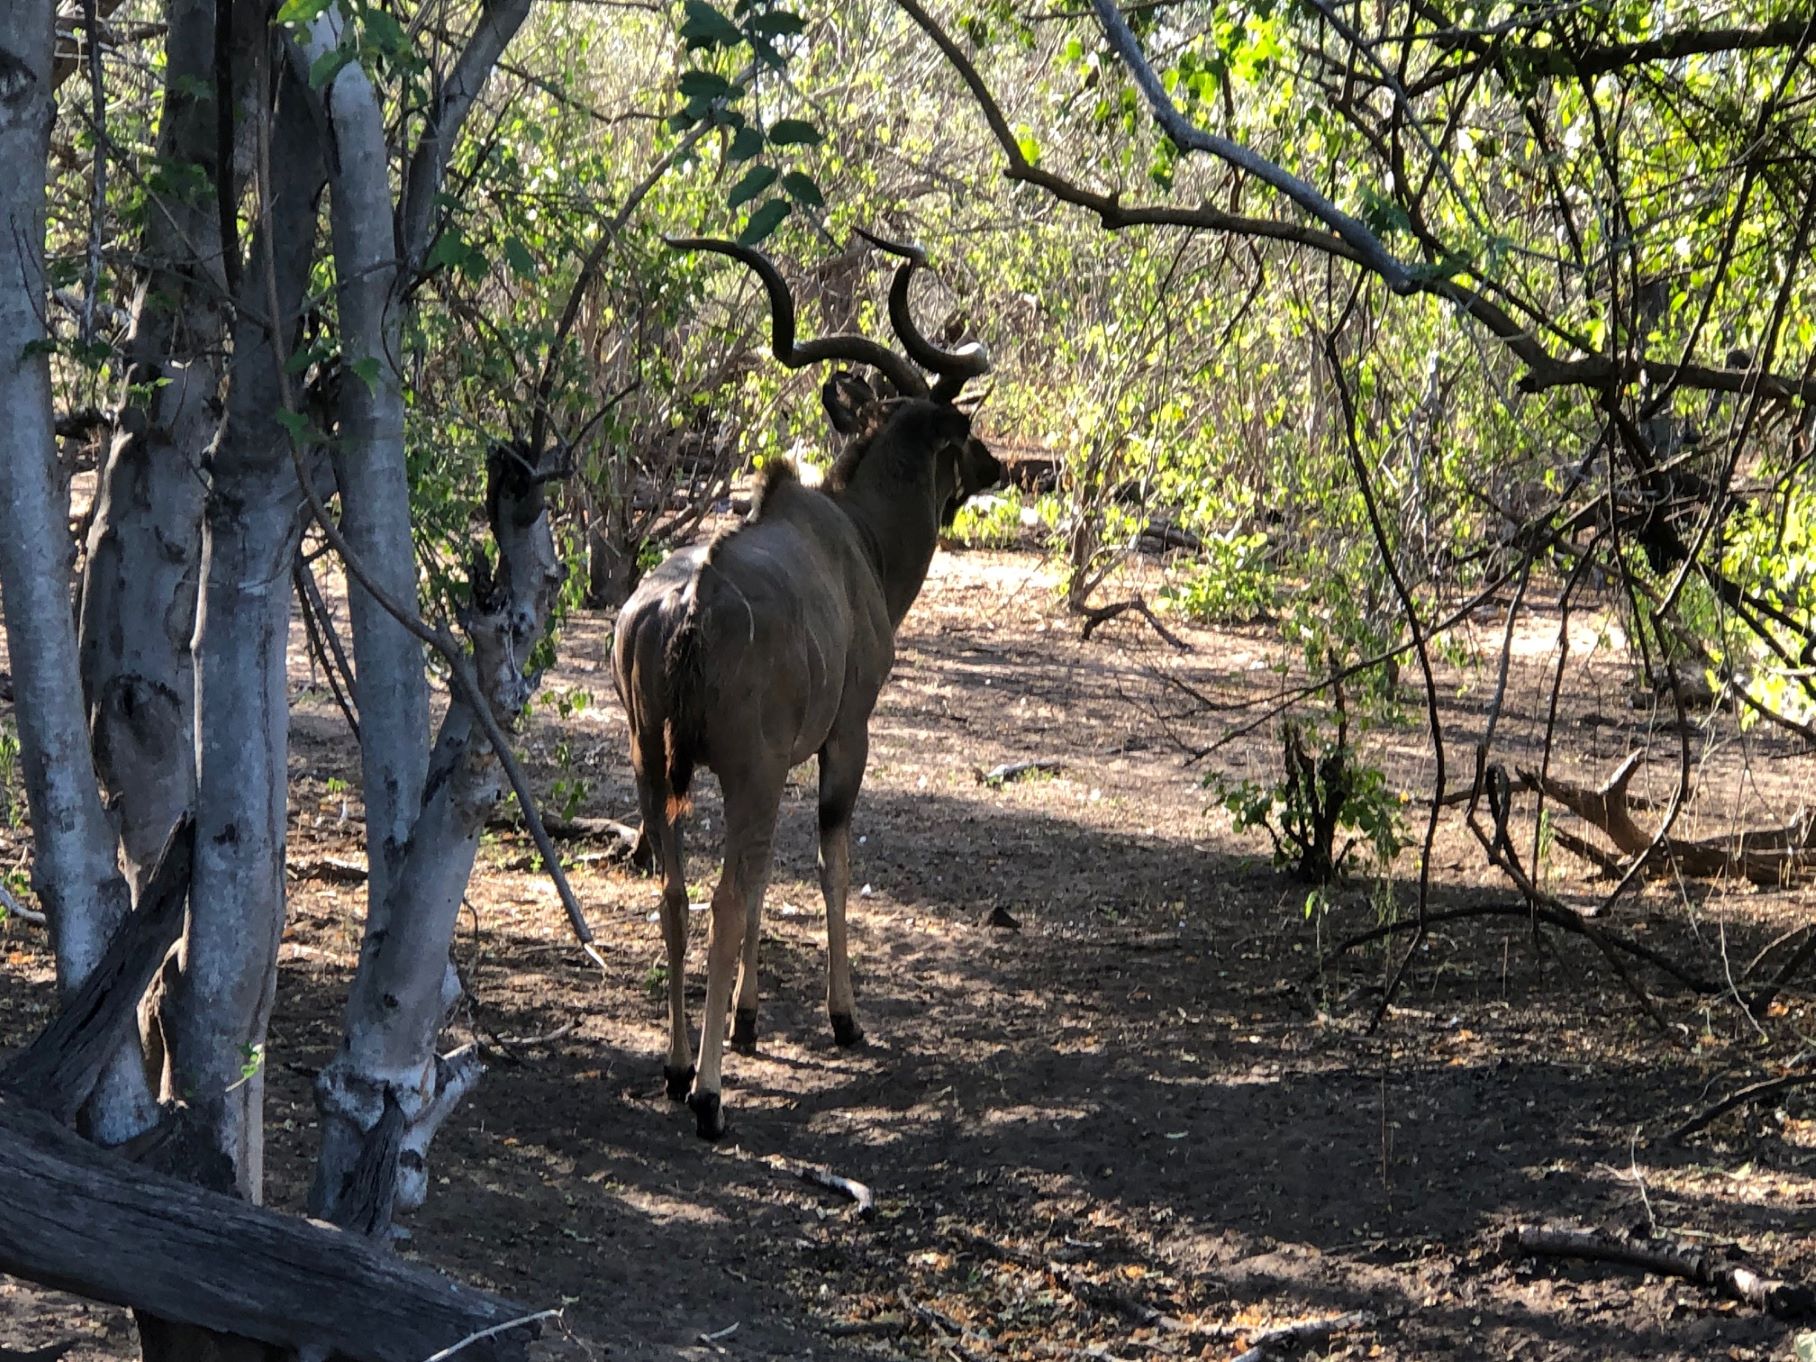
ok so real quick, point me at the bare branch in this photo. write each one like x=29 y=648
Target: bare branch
x=499 y=21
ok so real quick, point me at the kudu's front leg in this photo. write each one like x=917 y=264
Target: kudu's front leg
x=750 y=825
x=841 y=774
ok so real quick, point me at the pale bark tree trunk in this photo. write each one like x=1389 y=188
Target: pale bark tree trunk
x=423 y=811
x=218 y=998
x=406 y=986
x=144 y=545
x=392 y=690
x=73 y=845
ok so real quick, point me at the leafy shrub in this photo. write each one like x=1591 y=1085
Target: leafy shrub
x=991 y=522
x=1322 y=794
x=1235 y=582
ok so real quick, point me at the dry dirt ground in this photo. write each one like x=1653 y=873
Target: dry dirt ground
x=1147 y=1123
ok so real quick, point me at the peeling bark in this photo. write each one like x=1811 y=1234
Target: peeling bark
x=405 y=985
x=139 y=586
x=73 y=867
x=218 y=1000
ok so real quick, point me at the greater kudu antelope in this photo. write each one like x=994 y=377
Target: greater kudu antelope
x=768 y=646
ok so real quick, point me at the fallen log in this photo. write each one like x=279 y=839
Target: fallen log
x=1782 y=1300
x=100 y=1224
x=1015 y=770
x=84 y=1220
x=1768 y=856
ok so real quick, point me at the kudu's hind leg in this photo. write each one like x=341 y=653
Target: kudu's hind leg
x=751 y=806
x=841 y=774
x=744 y=1015
x=664 y=839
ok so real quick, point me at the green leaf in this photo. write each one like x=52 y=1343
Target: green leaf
x=367 y=369
x=767 y=52
x=764 y=221
x=327 y=66
x=802 y=189
x=301 y=11
x=704 y=26
x=449 y=250
x=294 y=422
x=519 y=257
x=746 y=144
x=754 y=183
x=790 y=132
x=778 y=23
x=385 y=33
x=707 y=85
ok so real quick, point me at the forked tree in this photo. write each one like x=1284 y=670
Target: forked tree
x=163 y=695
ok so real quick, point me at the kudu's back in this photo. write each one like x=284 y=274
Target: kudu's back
x=742 y=652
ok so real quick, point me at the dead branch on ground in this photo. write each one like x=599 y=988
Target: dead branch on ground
x=1767 y=856
x=1274 y=1342
x=1782 y=1300
x=1095 y=615
x=1548 y=914
x=863 y=1199
x=1015 y=770
x=1753 y=1092
x=327 y=869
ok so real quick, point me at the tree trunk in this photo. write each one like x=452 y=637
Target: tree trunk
x=73 y=865
x=218 y=999
x=423 y=812
x=139 y=585
x=406 y=985
x=392 y=691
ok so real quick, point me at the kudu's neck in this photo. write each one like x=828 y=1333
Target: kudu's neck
x=893 y=501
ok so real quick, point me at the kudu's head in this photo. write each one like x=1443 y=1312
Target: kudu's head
x=963 y=464
x=901 y=401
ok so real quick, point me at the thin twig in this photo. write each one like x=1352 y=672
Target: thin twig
x=481 y=1335
x=324 y=643
x=98 y=205
x=1416 y=627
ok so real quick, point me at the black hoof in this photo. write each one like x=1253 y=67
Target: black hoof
x=744 y=1030
x=845 y=1030
x=709 y=1118
x=678 y=1081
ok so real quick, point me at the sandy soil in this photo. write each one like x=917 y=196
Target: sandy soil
x=1149 y=1121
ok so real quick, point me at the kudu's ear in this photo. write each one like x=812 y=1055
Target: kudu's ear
x=847 y=398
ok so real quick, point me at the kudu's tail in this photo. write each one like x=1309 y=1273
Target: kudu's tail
x=684 y=678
